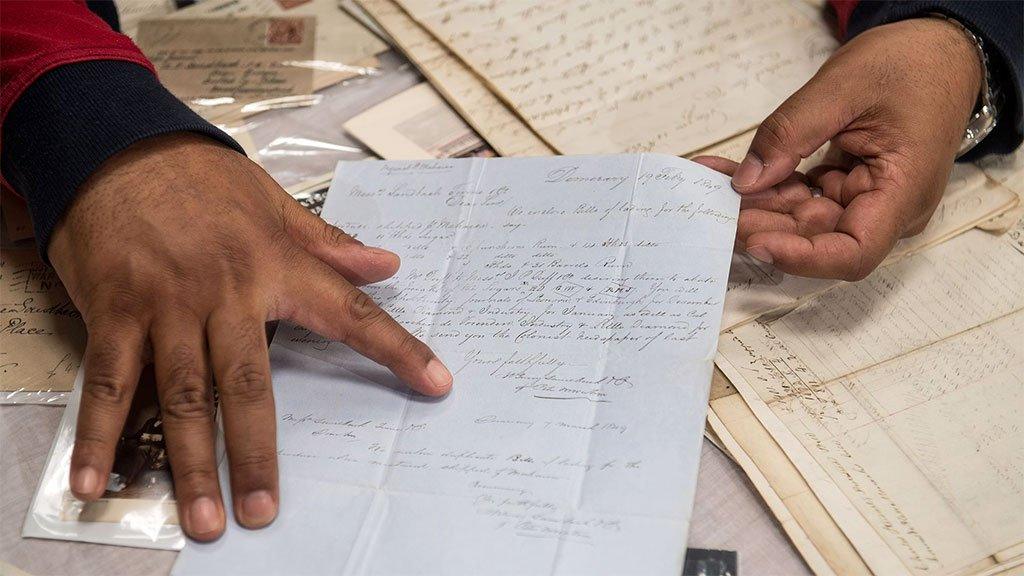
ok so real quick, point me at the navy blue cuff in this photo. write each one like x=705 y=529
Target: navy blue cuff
x=999 y=25
x=72 y=119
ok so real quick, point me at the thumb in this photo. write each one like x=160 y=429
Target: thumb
x=802 y=124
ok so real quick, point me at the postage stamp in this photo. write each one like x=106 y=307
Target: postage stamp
x=285 y=31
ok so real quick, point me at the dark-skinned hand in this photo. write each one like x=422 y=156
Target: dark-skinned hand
x=893 y=104
x=182 y=249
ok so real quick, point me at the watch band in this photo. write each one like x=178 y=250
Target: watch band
x=986 y=112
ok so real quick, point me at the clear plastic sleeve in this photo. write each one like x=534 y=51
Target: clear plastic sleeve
x=138 y=509
x=298 y=143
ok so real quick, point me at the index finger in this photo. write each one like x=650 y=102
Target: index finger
x=334 y=308
x=863 y=237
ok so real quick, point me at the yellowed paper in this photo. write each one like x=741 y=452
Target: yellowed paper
x=807 y=523
x=608 y=76
x=416 y=125
x=487 y=114
x=789 y=516
x=343 y=45
x=230 y=60
x=897 y=399
x=42 y=335
x=803 y=518
x=1016 y=236
x=715 y=440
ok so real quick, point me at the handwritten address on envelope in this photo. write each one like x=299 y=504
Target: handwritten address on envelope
x=246 y=58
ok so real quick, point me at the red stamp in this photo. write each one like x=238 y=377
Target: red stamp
x=285 y=31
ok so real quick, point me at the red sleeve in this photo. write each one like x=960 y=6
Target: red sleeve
x=843 y=8
x=38 y=36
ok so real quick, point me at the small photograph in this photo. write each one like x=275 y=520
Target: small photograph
x=140 y=483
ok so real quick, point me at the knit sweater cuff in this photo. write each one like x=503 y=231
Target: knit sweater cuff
x=72 y=119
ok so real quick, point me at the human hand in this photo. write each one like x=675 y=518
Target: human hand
x=183 y=248
x=893 y=103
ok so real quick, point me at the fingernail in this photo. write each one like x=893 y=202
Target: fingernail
x=748 y=171
x=85 y=481
x=258 y=509
x=203 y=516
x=383 y=256
x=761 y=253
x=439 y=376
x=763 y=194
x=382 y=252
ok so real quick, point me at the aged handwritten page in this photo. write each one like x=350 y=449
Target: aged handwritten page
x=897 y=398
x=42 y=335
x=787 y=511
x=805 y=520
x=609 y=76
x=415 y=125
x=1016 y=235
x=485 y=112
x=577 y=301
x=807 y=523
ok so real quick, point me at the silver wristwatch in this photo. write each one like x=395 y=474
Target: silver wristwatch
x=986 y=112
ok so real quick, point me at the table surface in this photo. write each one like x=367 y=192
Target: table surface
x=727 y=515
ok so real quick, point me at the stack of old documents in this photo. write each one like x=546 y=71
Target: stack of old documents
x=605 y=77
